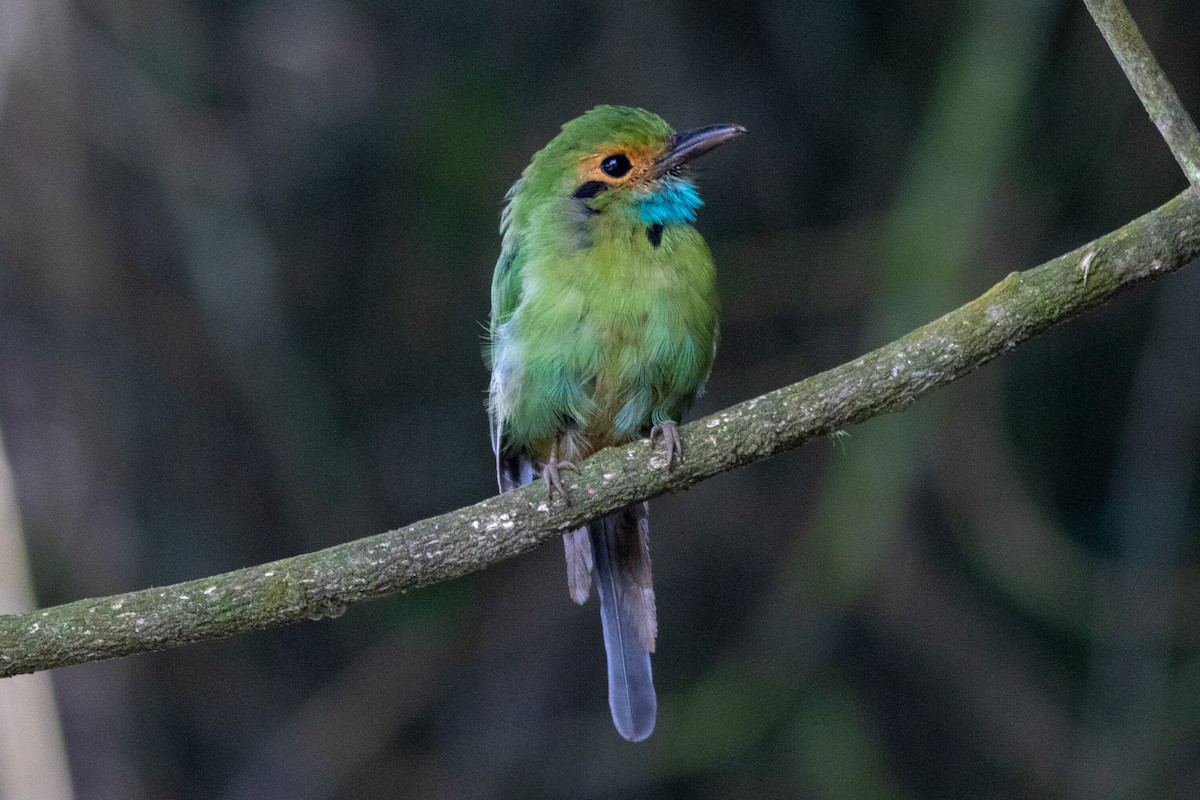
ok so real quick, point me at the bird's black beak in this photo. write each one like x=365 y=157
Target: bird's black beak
x=691 y=144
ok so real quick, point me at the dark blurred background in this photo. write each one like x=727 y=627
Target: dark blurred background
x=245 y=251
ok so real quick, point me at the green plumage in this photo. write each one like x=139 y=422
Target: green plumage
x=592 y=324
x=603 y=328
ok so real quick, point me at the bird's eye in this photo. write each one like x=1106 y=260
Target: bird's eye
x=615 y=166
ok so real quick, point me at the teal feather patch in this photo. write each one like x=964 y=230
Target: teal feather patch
x=674 y=201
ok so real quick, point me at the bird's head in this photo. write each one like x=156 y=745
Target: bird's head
x=617 y=160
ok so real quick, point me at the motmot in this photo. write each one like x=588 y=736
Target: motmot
x=603 y=330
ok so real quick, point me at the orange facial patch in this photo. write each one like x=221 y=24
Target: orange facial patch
x=641 y=160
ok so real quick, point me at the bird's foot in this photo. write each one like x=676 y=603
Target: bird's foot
x=550 y=474
x=669 y=431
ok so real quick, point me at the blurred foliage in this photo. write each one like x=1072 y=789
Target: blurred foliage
x=245 y=250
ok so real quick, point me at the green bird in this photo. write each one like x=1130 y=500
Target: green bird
x=603 y=331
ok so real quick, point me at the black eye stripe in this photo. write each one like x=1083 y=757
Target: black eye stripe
x=616 y=165
x=590 y=189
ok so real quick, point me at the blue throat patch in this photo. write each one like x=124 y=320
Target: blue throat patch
x=675 y=201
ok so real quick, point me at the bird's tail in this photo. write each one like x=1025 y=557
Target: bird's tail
x=621 y=549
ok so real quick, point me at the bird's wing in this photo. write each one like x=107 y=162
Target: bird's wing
x=506 y=279
x=512 y=469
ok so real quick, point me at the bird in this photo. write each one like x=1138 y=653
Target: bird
x=603 y=330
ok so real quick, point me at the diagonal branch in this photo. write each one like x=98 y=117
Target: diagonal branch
x=1152 y=87
x=324 y=583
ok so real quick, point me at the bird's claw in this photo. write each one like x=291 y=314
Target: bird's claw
x=550 y=474
x=669 y=431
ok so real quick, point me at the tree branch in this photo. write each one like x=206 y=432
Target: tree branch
x=1152 y=87
x=324 y=583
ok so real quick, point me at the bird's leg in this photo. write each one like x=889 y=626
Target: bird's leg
x=669 y=431
x=550 y=474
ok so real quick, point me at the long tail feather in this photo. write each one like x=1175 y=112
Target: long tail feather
x=621 y=546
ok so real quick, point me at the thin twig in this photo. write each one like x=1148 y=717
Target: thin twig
x=889 y=379
x=1150 y=83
